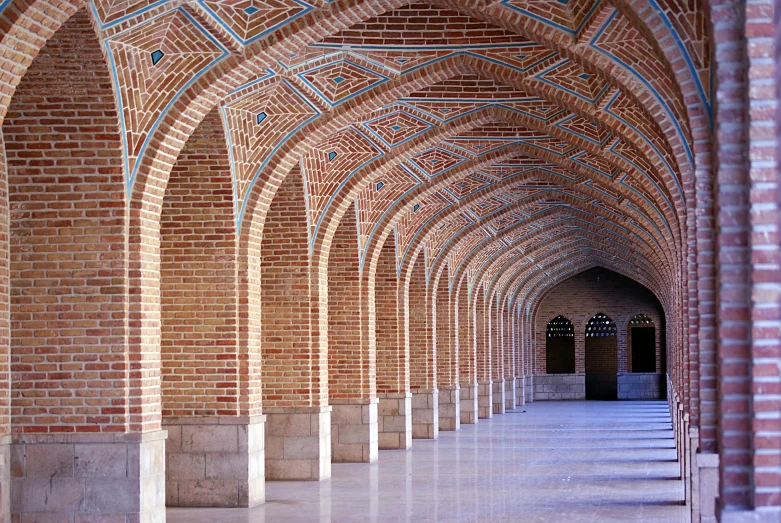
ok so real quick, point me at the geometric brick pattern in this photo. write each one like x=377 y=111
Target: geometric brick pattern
x=257 y=124
x=504 y=147
x=152 y=64
x=330 y=164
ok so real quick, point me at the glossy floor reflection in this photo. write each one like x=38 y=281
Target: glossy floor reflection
x=544 y=462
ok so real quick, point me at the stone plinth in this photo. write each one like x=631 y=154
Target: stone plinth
x=497 y=396
x=88 y=477
x=468 y=396
x=354 y=436
x=509 y=394
x=298 y=443
x=449 y=408
x=394 y=421
x=528 y=385
x=559 y=387
x=215 y=461
x=520 y=391
x=484 y=399
x=425 y=414
x=5 y=479
x=640 y=385
x=708 y=485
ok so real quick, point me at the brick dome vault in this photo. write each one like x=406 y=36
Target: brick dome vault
x=282 y=215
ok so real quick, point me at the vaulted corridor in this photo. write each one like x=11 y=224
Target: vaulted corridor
x=545 y=462
x=350 y=242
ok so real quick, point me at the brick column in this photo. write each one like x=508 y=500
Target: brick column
x=395 y=400
x=483 y=352
x=464 y=336
x=295 y=388
x=447 y=355
x=423 y=373
x=496 y=345
x=351 y=355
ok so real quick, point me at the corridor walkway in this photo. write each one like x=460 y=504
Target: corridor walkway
x=552 y=462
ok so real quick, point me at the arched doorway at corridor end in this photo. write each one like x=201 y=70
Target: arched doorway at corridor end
x=601 y=358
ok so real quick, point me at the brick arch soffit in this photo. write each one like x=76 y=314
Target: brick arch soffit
x=388 y=220
x=183 y=117
x=651 y=16
x=648 y=314
x=405 y=204
x=529 y=285
x=490 y=241
x=539 y=287
x=233 y=71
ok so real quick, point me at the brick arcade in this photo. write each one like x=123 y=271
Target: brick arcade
x=241 y=240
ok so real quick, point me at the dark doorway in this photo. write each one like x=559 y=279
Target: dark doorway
x=560 y=346
x=644 y=349
x=601 y=359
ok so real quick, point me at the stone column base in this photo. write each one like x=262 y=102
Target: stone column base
x=484 y=400
x=520 y=389
x=528 y=392
x=758 y=515
x=298 y=443
x=449 y=408
x=394 y=421
x=88 y=477
x=509 y=394
x=425 y=414
x=497 y=396
x=215 y=461
x=5 y=479
x=468 y=395
x=707 y=466
x=354 y=436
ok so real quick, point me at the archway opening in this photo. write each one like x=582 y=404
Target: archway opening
x=642 y=344
x=560 y=346
x=601 y=358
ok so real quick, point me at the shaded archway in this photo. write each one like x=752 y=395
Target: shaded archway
x=601 y=358
x=560 y=346
x=642 y=344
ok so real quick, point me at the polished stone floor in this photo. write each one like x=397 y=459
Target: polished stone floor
x=545 y=462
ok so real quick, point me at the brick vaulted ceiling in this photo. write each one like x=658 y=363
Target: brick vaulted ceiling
x=508 y=142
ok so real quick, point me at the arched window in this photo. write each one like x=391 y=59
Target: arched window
x=600 y=326
x=560 y=346
x=601 y=358
x=642 y=344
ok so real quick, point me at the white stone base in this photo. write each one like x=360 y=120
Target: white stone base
x=497 y=396
x=484 y=399
x=707 y=485
x=758 y=515
x=88 y=477
x=449 y=408
x=354 y=431
x=394 y=421
x=528 y=394
x=298 y=443
x=559 y=387
x=425 y=414
x=215 y=462
x=509 y=394
x=5 y=479
x=520 y=391
x=640 y=385
x=469 y=404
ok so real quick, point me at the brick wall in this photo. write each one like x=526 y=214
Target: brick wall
x=66 y=194
x=422 y=360
x=445 y=333
x=198 y=288
x=290 y=379
x=482 y=335
x=351 y=366
x=465 y=326
x=392 y=354
x=581 y=297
